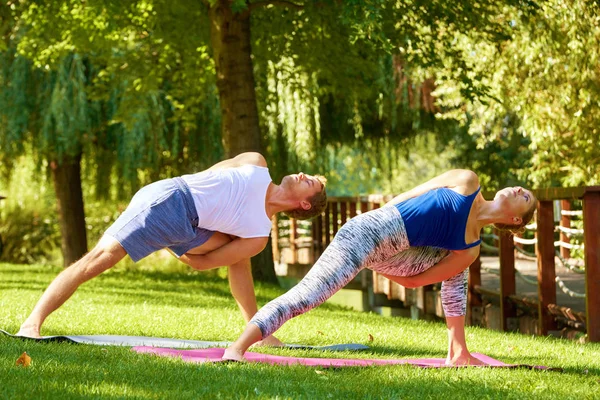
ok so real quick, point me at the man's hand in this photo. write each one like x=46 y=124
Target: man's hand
x=196 y=261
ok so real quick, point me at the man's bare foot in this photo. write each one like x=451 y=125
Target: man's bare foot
x=232 y=355
x=29 y=331
x=270 y=341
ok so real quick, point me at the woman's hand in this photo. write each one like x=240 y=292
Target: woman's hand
x=406 y=281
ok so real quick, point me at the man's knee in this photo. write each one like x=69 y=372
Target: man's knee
x=216 y=241
x=103 y=256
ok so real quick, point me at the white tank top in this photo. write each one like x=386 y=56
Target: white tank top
x=232 y=200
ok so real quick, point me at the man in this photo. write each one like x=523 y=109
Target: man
x=217 y=217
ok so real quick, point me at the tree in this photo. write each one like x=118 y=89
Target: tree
x=75 y=109
x=543 y=87
x=157 y=52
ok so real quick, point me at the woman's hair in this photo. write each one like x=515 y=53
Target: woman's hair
x=318 y=203
x=519 y=228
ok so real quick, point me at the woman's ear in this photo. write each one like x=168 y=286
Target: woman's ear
x=517 y=220
x=305 y=205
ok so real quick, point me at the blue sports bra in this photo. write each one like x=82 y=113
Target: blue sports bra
x=438 y=218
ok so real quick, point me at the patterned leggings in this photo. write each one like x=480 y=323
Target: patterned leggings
x=376 y=240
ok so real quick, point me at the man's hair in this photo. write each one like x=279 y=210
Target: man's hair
x=318 y=203
x=519 y=228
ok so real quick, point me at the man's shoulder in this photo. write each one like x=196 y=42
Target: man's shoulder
x=251 y=158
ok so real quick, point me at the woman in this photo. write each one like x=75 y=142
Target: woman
x=426 y=235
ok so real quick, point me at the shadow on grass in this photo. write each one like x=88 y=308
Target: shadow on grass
x=65 y=371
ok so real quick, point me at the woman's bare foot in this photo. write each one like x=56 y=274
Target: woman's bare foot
x=465 y=359
x=270 y=341
x=30 y=331
x=232 y=354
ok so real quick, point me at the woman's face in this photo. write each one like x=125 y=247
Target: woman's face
x=515 y=200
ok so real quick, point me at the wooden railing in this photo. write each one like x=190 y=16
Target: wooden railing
x=340 y=209
x=547 y=309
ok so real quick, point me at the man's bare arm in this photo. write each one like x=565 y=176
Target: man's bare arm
x=229 y=254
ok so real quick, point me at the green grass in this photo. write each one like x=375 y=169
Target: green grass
x=190 y=305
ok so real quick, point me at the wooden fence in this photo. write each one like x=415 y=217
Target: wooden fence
x=303 y=249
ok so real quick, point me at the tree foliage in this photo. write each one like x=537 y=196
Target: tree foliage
x=379 y=95
x=543 y=92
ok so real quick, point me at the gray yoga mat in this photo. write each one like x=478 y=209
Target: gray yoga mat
x=116 y=340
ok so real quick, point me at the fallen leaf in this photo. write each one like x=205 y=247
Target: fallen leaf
x=370 y=337
x=24 y=360
x=319 y=372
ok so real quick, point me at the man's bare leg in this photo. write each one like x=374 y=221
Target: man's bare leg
x=242 y=289
x=241 y=282
x=103 y=256
x=216 y=241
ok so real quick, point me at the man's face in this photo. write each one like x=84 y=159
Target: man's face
x=303 y=186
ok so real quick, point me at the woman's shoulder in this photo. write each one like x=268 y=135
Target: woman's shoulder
x=470 y=178
x=465 y=181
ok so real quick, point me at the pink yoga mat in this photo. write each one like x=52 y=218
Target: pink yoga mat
x=215 y=354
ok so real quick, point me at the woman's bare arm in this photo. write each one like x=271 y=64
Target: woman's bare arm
x=462 y=180
x=454 y=263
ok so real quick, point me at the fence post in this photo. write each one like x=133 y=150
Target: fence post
x=473 y=298
x=318 y=236
x=352 y=208
x=591 y=228
x=364 y=206
x=327 y=225
x=507 y=280
x=334 y=217
x=565 y=222
x=293 y=249
x=275 y=238
x=545 y=265
x=343 y=212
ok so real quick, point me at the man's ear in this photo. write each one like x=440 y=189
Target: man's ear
x=517 y=220
x=305 y=205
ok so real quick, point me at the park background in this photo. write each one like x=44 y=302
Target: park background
x=100 y=97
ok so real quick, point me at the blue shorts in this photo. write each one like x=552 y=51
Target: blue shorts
x=159 y=215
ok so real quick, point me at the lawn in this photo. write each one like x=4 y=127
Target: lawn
x=191 y=305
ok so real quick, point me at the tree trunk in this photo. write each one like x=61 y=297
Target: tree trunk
x=66 y=177
x=263 y=268
x=230 y=39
